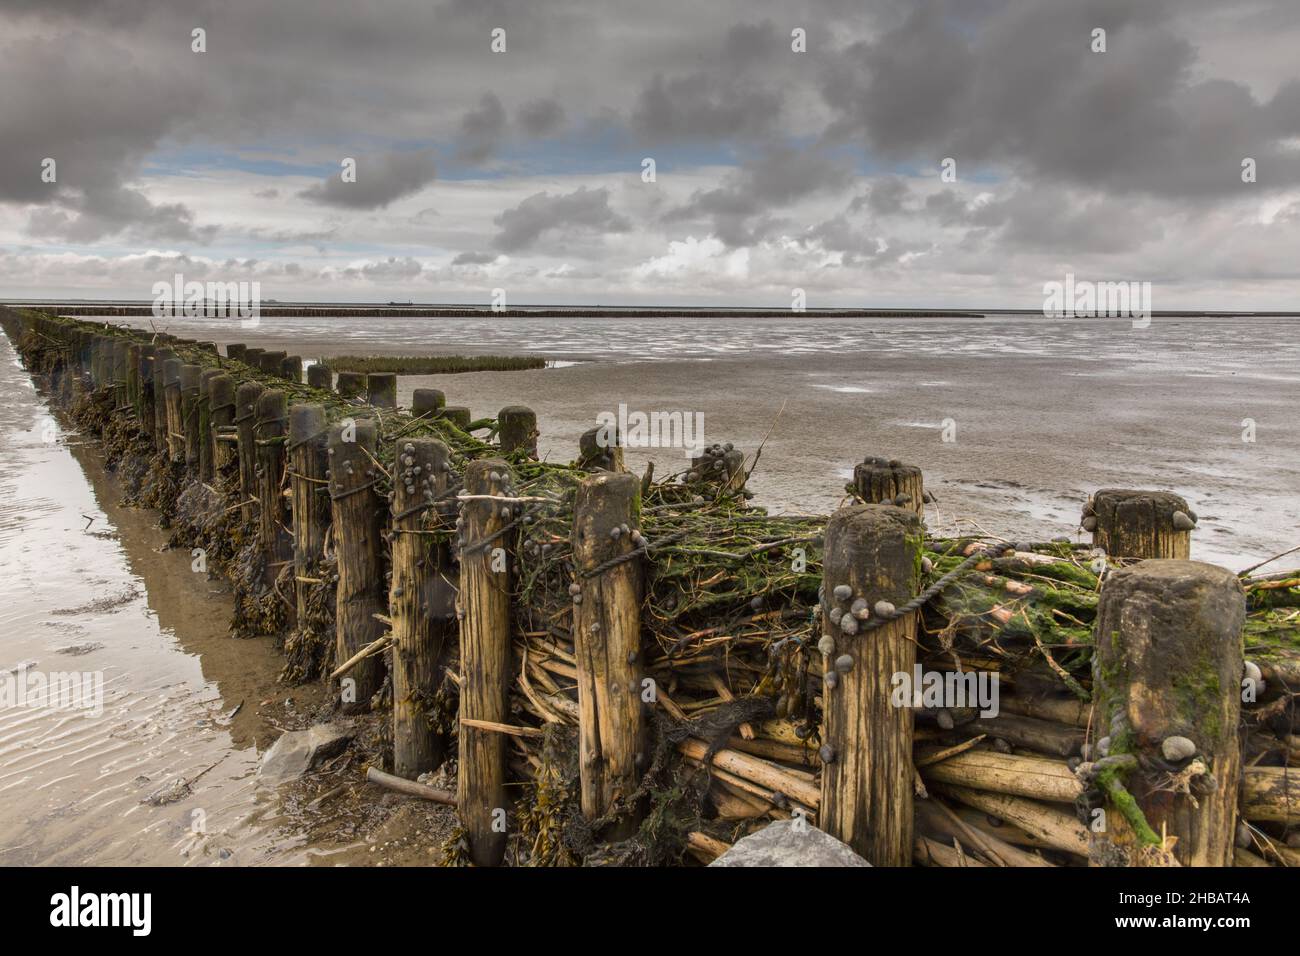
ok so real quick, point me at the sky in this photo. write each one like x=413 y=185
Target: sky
x=906 y=153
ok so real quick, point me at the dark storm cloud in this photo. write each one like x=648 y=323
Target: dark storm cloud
x=79 y=121
x=1058 y=148
x=540 y=117
x=582 y=210
x=481 y=130
x=475 y=258
x=379 y=181
x=704 y=106
x=740 y=210
x=1024 y=89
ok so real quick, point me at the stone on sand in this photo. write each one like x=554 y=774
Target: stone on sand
x=781 y=843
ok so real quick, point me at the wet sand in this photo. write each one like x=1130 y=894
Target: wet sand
x=1045 y=411
x=89 y=587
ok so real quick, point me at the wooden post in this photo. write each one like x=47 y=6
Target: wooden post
x=309 y=490
x=291 y=368
x=253 y=357
x=1139 y=524
x=96 y=350
x=607 y=646
x=421 y=602
x=517 y=429
x=721 y=466
x=358 y=542
x=270 y=428
x=872 y=555
x=320 y=376
x=889 y=482
x=221 y=412
x=207 y=442
x=351 y=384
x=161 y=431
x=458 y=415
x=245 y=419
x=175 y=423
x=592 y=454
x=486 y=674
x=189 y=380
x=272 y=363
x=236 y=351
x=427 y=402
x=1167 y=673
x=120 y=347
x=144 y=388
x=382 y=389
x=133 y=378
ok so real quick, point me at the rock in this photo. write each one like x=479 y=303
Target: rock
x=1183 y=522
x=298 y=751
x=781 y=844
x=1177 y=748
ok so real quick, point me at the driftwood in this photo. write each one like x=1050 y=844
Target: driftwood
x=409 y=787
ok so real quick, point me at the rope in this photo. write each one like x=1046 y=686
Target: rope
x=926 y=596
x=635 y=553
x=354 y=491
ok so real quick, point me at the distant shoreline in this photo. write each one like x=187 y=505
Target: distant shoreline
x=463 y=312
x=120 y=309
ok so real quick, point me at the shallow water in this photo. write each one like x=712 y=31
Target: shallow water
x=1044 y=411
x=87 y=589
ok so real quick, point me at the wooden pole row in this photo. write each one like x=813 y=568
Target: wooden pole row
x=1166 y=669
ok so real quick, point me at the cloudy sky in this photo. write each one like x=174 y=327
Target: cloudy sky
x=775 y=168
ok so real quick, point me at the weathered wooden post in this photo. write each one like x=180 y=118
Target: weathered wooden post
x=607 y=646
x=133 y=378
x=175 y=422
x=351 y=384
x=872 y=566
x=120 y=398
x=161 y=433
x=358 y=535
x=721 y=466
x=144 y=388
x=236 y=351
x=1139 y=524
x=189 y=381
x=597 y=449
x=270 y=429
x=221 y=411
x=421 y=602
x=291 y=368
x=458 y=415
x=486 y=674
x=96 y=362
x=1167 y=672
x=245 y=422
x=320 y=376
x=273 y=363
x=253 y=357
x=425 y=402
x=889 y=482
x=207 y=440
x=517 y=429
x=309 y=491
x=381 y=388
